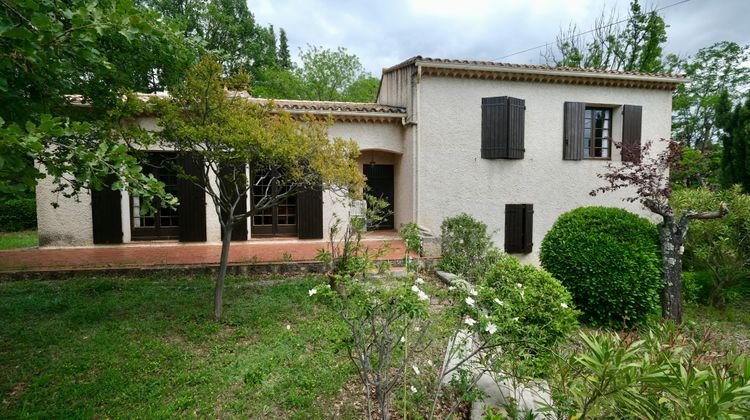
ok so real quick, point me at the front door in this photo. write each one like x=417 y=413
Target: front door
x=164 y=223
x=380 y=183
x=279 y=220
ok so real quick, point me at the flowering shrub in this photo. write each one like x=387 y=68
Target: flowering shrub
x=409 y=233
x=467 y=250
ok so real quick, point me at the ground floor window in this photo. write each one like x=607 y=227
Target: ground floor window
x=279 y=220
x=164 y=223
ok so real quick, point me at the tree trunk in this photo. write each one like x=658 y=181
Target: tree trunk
x=671 y=236
x=219 y=289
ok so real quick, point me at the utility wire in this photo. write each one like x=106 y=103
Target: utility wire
x=584 y=33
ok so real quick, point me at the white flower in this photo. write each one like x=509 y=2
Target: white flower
x=469 y=301
x=499 y=302
x=564 y=305
x=429 y=362
x=403 y=339
x=473 y=292
x=515 y=319
x=519 y=285
x=312 y=291
x=413 y=390
x=423 y=296
x=415 y=289
x=415 y=369
x=451 y=288
x=470 y=322
x=491 y=328
x=417 y=329
x=419 y=280
x=288 y=327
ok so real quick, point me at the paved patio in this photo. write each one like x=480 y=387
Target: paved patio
x=170 y=254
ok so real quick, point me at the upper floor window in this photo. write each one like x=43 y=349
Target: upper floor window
x=597 y=133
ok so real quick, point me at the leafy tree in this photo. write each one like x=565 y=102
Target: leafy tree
x=697 y=169
x=634 y=46
x=327 y=75
x=648 y=176
x=230 y=138
x=284 y=56
x=735 y=139
x=712 y=71
x=52 y=49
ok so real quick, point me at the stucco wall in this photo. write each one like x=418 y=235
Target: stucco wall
x=453 y=178
x=67 y=225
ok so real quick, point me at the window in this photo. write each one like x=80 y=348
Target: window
x=597 y=133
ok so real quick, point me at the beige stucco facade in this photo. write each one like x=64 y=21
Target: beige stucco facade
x=432 y=137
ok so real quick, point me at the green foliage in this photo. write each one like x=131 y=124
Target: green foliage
x=634 y=46
x=17 y=214
x=412 y=238
x=721 y=247
x=735 y=139
x=466 y=247
x=609 y=260
x=712 y=71
x=696 y=168
x=661 y=374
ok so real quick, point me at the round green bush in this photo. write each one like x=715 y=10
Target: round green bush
x=466 y=247
x=609 y=260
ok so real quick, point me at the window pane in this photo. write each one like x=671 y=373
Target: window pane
x=605 y=153
x=588 y=113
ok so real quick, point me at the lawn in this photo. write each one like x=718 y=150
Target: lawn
x=148 y=348
x=23 y=239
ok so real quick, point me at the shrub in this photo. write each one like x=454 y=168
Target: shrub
x=720 y=247
x=466 y=247
x=18 y=214
x=609 y=260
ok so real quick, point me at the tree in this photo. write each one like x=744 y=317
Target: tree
x=51 y=50
x=328 y=75
x=249 y=149
x=285 y=58
x=649 y=177
x=714 y=70
x=735 y=139
x=636 y=46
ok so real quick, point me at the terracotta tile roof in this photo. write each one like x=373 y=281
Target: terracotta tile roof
x=522 y=67
x=331 y=106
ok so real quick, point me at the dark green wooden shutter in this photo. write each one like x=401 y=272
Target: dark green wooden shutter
x=573 y=130
x=310 y=214
x=106 y=214
x=519 y=222
x=239 y=232
x=632 y=116
x=192 y=209
x=503 y=121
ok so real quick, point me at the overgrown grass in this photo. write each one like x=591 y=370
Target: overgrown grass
x=22 y=239
x=148 y=348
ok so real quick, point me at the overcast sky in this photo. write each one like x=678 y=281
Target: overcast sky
x=383 y=33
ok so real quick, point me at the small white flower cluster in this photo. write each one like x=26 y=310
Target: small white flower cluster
x=420 y=294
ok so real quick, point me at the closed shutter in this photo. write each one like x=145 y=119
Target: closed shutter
x=310 y=214
x=503 y=121
x=106 y=214
x=192 y=209
x=632 y=117
x=519 y=222
x=239 y=232
x=573 y=130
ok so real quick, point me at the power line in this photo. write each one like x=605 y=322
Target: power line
x=584 y=33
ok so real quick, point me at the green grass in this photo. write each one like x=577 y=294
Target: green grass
x=23 y=239
x=148 y=348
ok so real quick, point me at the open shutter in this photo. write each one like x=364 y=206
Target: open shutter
x=519 y=228
x=310 y=214
x=106 y=214
x=239 y=232
x=503 y=128
x=192 y=209
x=573 y=130
x=632 y=117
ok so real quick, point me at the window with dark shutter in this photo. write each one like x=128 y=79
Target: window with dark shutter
x=632 y=116
x=310 y=211
x=519 y=227
x=503 y=120
x=106 y=214
x=192 y=210
x=573 y=130
x=229 y=176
